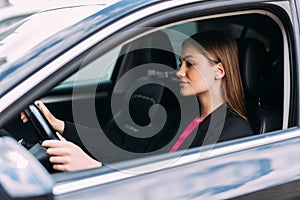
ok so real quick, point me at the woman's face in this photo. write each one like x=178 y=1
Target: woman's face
x=196 y=73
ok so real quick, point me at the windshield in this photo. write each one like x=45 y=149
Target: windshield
x=23 y=36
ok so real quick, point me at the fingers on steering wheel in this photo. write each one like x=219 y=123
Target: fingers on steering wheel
x=40 y=105
x=44 y=110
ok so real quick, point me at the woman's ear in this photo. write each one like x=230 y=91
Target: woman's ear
x=220 y=72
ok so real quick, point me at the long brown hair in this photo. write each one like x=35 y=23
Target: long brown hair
x=220 y=47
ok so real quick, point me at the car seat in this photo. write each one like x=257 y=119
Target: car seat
x=152 y=52
x=264 y=108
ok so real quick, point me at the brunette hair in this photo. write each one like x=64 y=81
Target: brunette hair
x=220 y=47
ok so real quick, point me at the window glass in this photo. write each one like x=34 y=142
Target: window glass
x=98 y=70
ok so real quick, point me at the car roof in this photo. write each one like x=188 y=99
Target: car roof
x=18 y=10
x=48 y=16
x=40 y=27
x=15 y=55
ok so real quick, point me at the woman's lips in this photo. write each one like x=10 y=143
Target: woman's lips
x=183 y=82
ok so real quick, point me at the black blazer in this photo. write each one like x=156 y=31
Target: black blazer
x=221 y=125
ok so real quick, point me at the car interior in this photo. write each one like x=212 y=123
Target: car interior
x=260 y=44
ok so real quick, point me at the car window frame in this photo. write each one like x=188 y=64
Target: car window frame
x=287 y=51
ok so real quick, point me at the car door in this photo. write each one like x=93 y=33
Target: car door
x=252 y=167
x=246 y=168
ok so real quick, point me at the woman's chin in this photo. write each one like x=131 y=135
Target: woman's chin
x=185 y=93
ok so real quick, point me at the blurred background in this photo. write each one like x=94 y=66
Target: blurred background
x=4 y=3
x=12 y=11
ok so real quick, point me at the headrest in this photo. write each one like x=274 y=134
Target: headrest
x=151 y=51
x=252 y=58
x=152 y=48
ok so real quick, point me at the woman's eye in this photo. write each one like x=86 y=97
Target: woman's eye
x=188 y=64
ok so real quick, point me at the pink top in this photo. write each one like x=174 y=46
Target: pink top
x=189 y=129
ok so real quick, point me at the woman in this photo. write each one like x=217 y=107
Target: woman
x=209 y=70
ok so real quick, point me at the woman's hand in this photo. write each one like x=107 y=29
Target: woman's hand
x=58 y=125
x=66 y=156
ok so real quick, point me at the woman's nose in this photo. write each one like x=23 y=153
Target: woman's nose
x=181 y=72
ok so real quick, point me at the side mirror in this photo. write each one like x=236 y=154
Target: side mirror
x=21 y=175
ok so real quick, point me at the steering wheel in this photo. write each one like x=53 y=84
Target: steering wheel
x=45 y=132
x=40 y=122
